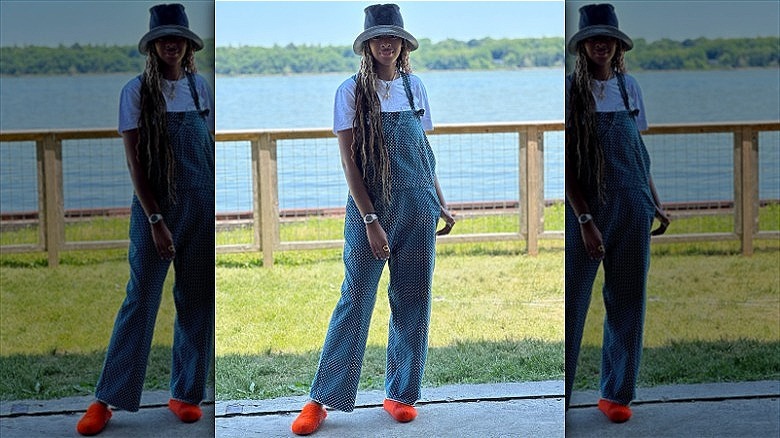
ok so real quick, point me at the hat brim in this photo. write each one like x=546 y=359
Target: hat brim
x=169 y=30
x=599 y=30
x=376 y=31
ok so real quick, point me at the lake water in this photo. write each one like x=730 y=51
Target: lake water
x=306 y=101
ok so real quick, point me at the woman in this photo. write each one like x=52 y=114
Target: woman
x=380 y=117
x=167 y=124
x=610 y=204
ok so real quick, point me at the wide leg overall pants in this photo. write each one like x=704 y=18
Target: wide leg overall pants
x=624 y=218
x=410 y=223
x=191 y=221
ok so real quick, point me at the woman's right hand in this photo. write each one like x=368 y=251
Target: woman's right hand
x=378 y=240
x=591 y=237
x=163 y=240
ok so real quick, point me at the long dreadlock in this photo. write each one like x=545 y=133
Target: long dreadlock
x=154 y=150
x=368 y=145
x=583 y=148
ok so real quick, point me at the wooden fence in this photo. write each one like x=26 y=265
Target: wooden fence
x=266 y=216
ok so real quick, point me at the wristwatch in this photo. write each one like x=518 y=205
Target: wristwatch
x=369 y=218
x=584 y=218
x=154 y=218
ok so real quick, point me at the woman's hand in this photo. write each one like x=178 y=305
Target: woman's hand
x=449 y=222
x=378 y=240
x=163 y=240
x=663 y=219
x=591 y=237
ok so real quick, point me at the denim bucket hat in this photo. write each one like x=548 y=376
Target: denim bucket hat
x=169 y=20
x=383 y=20
x=598 y=20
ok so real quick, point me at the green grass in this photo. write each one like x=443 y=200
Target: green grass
x=274 y=374
x=488 y=323
x=497 y=314
x=332 y=228
x=56 y=324
x=712 y=315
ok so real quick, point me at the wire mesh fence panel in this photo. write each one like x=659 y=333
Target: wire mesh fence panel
x=234 y=193
x=97 y=190
x=312 y=189
x=694 y=177
x=478 y=174
x=554 y=180
x=18 y=193
x=769 y=179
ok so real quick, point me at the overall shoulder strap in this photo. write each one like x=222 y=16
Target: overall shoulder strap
x=194 y=92
x=408 y=89
x=624 y=93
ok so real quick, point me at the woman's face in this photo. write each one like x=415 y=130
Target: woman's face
x=386 y=49
x=601 y=49
x=171 y=49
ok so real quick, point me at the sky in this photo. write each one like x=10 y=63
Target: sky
x=51 y=23
x=338 y=23
x=680 y=20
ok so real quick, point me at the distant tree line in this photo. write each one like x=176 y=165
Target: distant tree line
x=83 y=59
x=703 y=54
x=483 y=54
x=450 y=54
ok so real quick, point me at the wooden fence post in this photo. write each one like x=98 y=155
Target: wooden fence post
x=266 y=199
x=529 y=187
x=746 y=187
x=50 y=197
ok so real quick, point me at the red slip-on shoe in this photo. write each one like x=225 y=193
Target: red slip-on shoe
x=94 y=420
x=187 y=412
x=402 y=413
x=310 y=418
x=616 y=412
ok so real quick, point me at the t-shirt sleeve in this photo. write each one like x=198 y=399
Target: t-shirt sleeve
x=130 y=105
x=344 y=106
x=206 y=98
x=635 y=92
x=427 y=121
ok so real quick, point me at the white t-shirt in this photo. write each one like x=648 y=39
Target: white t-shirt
x=130 y=101
x=344 y=106
x=613 y=100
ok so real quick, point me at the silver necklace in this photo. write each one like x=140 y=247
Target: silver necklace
x=388 y=85
x=602 y=86
x=171 y=85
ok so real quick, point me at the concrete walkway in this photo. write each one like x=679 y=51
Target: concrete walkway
x=58 y=418
x=532 y=409
x=535 y=409
x=748 y=409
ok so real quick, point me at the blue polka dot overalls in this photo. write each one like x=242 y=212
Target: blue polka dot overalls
x=191 y=221
x=624 y=218
x=410 y=223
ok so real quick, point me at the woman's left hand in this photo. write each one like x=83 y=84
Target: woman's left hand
x=449 y=221
x=663 y=219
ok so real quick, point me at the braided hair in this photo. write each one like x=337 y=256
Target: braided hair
x=154 y=150
x=583 y=148
x=368 y=145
